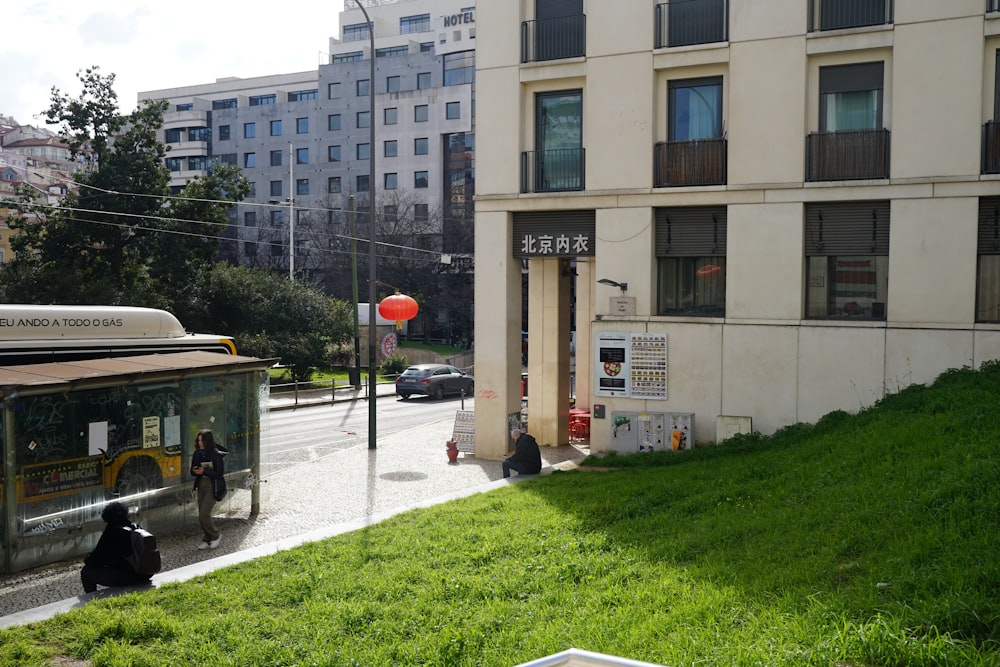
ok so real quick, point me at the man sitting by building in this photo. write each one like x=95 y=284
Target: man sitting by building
x=526 y=459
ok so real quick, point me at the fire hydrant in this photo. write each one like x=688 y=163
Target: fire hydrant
x=452 y=451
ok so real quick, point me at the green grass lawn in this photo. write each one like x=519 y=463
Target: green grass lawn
x=865 y=540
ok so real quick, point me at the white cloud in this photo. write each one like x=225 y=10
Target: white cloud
x=149 y=46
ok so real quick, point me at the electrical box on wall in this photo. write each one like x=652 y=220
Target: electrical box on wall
x=634 y=432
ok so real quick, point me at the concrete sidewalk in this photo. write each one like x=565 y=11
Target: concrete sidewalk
x=338 y=493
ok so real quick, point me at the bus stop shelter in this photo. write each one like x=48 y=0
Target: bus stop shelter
x=76 y=435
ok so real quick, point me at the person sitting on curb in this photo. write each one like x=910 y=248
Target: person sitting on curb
x=526 y=459
x=107 y=564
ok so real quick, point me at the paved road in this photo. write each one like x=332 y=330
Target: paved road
x=330 y=487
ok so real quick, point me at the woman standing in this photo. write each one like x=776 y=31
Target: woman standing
x=207 y=467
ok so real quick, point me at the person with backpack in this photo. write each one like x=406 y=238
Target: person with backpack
x=208 y=470
x=108 y=564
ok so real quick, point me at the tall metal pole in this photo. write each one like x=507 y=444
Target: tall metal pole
x=371 y=232
x=291 y=214
x=356 y=380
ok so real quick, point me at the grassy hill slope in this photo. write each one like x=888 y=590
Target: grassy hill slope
x=862 y=540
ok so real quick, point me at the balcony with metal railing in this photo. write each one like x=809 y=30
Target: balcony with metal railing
x=993 y=5
x=847 y=155
x=559 y=170
x=698 y=162
x=841 y=14
x=690 y=22
x=554 y=39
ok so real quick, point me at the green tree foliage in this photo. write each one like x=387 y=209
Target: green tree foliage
x=119 y=238
x=271 y=316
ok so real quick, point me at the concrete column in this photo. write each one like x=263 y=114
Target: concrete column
x=584 y=336
x=548 y=350
x=497 y=334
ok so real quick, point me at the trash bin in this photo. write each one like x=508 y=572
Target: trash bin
x=354 y=376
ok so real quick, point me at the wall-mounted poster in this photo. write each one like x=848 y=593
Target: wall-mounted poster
x=648 y=377
x=630 y=365
x=611 y=363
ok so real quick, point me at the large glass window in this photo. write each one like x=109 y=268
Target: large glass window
x=459 y=68
x=691 y=261
x=850 y=97
x=558 y=163
x=847 y=260
x=695 y=109
x=173 y=136
x=303 y=95
x=413 y=24
x=223 y=133
x=263 y=100
x=230 y=103
x=988 y=255
x=355 y=32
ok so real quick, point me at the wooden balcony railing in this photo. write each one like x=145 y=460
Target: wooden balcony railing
x=699 y=162
x=847 y=155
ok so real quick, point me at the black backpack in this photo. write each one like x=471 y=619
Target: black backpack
x=145 y=556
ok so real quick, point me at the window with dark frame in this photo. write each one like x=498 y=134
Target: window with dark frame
x=391 y=182
x=362 y=119
x=362 y=87
x=302 y=126
x=392 y=84
x=333 y=90
x=847 y=260
x=690 y=245
x=363 y=152
x=420 y=113
x=275 y=190
x=453 y=110
x=850 y=97
x=988 y=261
x=333 y=122
x=423 y=80
x=249 y=160
x=249 y=130
x=421 y=146
x=333 y=153
x=420 y=179
x=301 y=156
x=224 y=133
x=333 y=185
x=390 y=116
x=362 y=181
x=276 y=158
x=275 y=128
x=390 y=148
x=301 y=186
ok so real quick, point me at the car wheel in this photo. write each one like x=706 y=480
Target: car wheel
x=439 y=392
x=470 y=390
x=404 y=396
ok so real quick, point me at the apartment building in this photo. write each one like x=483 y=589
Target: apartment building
x=768 y=210
x=303 y=139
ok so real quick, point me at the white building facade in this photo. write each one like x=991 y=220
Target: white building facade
x=303 y=139
x=792 y=204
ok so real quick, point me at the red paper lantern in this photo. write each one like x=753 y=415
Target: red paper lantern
x=398 y=307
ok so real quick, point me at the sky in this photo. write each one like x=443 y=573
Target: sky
x=151 y=45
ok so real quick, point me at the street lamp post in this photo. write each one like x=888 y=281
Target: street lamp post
x=371 y=230
x=356 y=375
x=291 y=214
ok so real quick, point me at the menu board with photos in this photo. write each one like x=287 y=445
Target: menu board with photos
x=648 y=370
